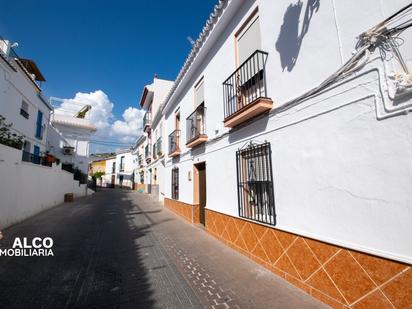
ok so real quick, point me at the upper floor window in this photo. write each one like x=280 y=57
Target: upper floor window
x=24 y=110
x=39 y=125
x=248 y=38
x=122 y=163
x=199 y=93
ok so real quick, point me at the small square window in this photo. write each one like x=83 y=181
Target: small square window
x=24 y=110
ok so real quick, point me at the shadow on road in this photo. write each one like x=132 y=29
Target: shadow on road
x=103 y=253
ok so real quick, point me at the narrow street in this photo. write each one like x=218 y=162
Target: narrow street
x=118 y=249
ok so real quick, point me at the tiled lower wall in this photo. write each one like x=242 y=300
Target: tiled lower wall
x=189 y=212
x=337 y=276
x=140 y=186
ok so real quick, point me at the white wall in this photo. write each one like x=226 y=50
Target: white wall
x=27 y=189
x=342 y=166
x=76 y=137
x=14 y=88
x=107 y=178
x=129 y=165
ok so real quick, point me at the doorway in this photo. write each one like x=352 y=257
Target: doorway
x=199 y=171
x=113 y=181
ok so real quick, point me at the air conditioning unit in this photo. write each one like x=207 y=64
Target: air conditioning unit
x=68 y=151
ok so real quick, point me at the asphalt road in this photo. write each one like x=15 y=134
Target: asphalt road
x=105 y=256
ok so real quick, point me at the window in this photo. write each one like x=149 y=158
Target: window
x=199 y=93
x=248 y=38
x=175 y=183
x=122 y=163
x=39 y=125
x=113 y=167
x=255 y=183
x=24 y=110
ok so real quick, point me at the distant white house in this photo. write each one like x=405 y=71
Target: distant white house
x=109 y=178
x=152 y=99
x=73 y=148
x=140 y=166
x=125 y=165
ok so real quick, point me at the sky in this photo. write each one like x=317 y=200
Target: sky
x=103 y=53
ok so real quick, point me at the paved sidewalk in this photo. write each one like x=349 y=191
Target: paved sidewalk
x=220 y=276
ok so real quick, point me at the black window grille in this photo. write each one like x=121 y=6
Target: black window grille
x=255 y=183
x=175 y=183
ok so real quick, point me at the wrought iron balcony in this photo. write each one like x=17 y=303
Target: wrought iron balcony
x=157 y=148
x=244 y=92
x=196 y=127
x=148 y=153
x=147 y=121
x=174 y=142
x=140 y=160
x=30 y=157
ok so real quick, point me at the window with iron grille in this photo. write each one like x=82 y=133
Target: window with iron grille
x=175 y=183
x=255 y=183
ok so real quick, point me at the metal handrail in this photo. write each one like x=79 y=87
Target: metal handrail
x=174 y=139
x=196 y=123
x=246 y=84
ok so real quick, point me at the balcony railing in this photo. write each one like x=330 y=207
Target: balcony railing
x=159 y=148
x=147 y=120
x=68 y=167
x=148 y=153
x=140 y=160
x=245 y=88
x=30 y=157
x=174 y=142
x=196 y=127
x=154 y=151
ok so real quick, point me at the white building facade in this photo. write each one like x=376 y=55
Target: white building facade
x=289 y=139
x=152 y=98
x=109 y=178
x=32 y=179
x=21 y=100
x=140 y=166
x=125 y=165
x=73 y=148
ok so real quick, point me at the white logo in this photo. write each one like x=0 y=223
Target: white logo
x=37 y=247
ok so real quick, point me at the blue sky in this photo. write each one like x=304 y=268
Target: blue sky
x=112 y=46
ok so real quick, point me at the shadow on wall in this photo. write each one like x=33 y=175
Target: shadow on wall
x=290 y=40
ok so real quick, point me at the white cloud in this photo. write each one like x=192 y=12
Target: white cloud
x=130 y=127
x=125 y=130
